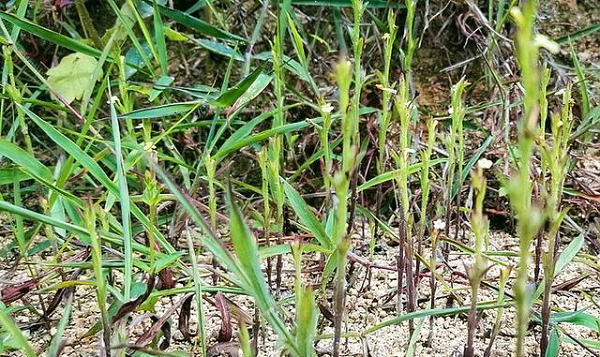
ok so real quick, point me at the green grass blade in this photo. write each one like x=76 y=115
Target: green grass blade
x=11 y=175
x=306 y=323
x=578 y=34
x=161 y=111
x=306 y=216
x=390 y=175
x=429 y=312
x=24 y=159
x=467 y=169
x=232 y=94
x=209 y=241
x=96 y=171
x=220 y=49
x=11 y=327
x=124 y=195
x=375 y=4
x=50 y=36
x=198 y=25
x=583 y=89
x=54 y=350
x=246 y=252
x=553 y=344
x=563 y=260
x=127 y=26
x=38 y=217
x=258 y=137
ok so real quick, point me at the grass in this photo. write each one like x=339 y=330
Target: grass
x=275 y=164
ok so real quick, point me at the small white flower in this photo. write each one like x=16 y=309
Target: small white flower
x=545 y=42
x=560 y=93
x=382 y=88
x=327 y=108
x=485 y=163
x=113 y=99
x=439 y=224
x=386 y=36
x=450 y=110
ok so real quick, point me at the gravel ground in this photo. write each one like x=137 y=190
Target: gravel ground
x=445 y=337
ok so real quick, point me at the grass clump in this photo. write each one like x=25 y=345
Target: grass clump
x=297 y=171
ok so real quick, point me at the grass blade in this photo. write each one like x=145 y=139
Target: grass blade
x=19 y=339
x=124 y=199
x=196 y=24
x=305 y=215
x=246 y=251
x=55 y=345
x=50 y=36
x=96 y=171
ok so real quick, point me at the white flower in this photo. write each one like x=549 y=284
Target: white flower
x=485 y=163
x=327 y=108
x=450 y=110
x=113 y=99
x=439 y=224
x=382 y=88
x=559 y=93
x=545 y=42
x=386 y=36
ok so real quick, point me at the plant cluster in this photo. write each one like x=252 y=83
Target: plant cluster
x=123 y=175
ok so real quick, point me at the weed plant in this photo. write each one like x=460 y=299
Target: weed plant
x=260 y=167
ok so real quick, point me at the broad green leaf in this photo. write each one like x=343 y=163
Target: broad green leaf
x=72 y=76
x=593 y=344
x=136 y=57
x=290 y=64
x=254 y=90
x=298 y=42
x=578 y=318
x=246 y=129
x=165 y=261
